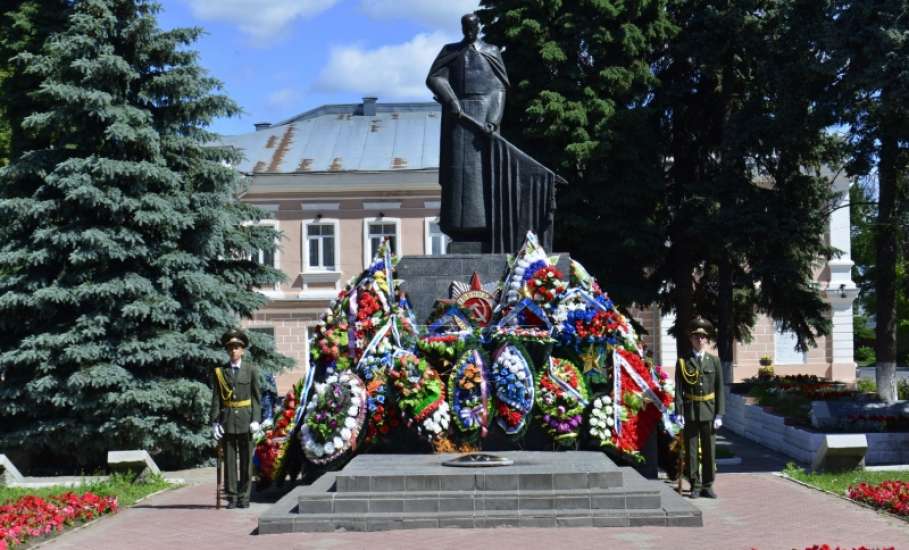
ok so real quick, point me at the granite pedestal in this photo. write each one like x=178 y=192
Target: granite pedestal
x=541 y=489
x=428 y=278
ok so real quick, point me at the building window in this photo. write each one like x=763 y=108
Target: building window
x=376 y=230
x=436 y=242
x=320 y=244
x=784 y=352
x=270 y=258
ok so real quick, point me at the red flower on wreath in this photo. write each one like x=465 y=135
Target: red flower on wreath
x=546 y=284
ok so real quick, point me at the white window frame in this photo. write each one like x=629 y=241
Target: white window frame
x=277 y=260
x=427 y=237
x=788 y=358
x=304 y=255
x=367 y=256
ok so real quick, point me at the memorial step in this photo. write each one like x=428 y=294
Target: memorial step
x=571 y=501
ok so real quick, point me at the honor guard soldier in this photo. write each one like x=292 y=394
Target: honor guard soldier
x=699 y=394
x=235 y=415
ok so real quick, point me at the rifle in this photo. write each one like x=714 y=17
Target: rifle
x=681 y=465
x=219 y=457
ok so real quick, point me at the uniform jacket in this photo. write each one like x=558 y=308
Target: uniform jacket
x=709 y=380
x=245 y=385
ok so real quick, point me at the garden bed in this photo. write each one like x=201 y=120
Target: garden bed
x=801 y=442
x=29 y=514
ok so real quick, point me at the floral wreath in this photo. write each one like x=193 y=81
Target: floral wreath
x=420 y=396
x=602 y=422
x=271 y=450
x=469 y=394
x=561 y=399
x=334 y=418
x=512 y=377
x=382 y=414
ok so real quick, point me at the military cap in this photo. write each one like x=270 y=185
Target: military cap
x=235 y=336
x=699 y=326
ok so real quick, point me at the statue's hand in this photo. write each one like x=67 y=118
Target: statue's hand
x=491 y=128
x=455 y=110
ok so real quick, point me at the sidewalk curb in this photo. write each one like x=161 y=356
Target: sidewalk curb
x=904 y=519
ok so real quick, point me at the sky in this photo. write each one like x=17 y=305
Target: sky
x=279 y=58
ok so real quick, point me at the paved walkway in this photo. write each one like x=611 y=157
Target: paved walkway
x=756 y=509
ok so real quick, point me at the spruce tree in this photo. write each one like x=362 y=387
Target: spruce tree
x=24 y=25
x=125 y=255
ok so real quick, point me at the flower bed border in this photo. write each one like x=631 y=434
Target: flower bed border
x=752 y=422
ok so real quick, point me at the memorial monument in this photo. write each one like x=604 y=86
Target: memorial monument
x=494 y=346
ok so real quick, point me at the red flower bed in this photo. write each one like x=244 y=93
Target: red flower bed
x=892 y=496
x=32 y=516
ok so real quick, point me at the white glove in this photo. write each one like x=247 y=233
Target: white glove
x=254 y=426
x=681 y=421
x=718 y=423
x=217 y=431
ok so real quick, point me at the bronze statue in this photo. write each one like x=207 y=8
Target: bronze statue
x=468 y=78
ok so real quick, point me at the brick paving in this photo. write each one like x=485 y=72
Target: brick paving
x=755 y=510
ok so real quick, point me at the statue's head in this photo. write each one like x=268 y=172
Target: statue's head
x=470 y=25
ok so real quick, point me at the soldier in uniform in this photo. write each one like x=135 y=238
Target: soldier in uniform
x=699 y=394
x=235 y=415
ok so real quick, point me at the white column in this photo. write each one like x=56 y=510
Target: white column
x=668 y=353
x=841 y=291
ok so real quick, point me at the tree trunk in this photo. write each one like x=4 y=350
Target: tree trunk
x=885 y=242
x=725 y=331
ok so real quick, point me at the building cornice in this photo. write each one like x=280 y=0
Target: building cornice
x=425 y=180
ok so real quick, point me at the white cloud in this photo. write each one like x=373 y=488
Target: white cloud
x=285 y=97
x=394 y=71
x=444 y=14
x=260 y=19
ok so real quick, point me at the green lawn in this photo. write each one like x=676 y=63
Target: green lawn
x=127 y=493
x=840 y=481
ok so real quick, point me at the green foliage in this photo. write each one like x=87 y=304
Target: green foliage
x=863 y=215
x=662 y=116
x=839 y=482
x=865 y=385
x=580 y=74
x=124 y=254
x=24 y=26
x=118 y=485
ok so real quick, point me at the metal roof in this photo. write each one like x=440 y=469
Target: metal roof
x=341 y=138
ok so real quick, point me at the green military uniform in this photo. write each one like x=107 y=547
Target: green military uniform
x=699 y=394
x=234 y=406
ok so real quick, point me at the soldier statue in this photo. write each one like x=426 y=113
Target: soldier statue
x=235 y=416
x=468 y=78
x=699 y=394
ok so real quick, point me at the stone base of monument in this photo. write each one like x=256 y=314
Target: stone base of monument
x=428 y=278
x=540 y=489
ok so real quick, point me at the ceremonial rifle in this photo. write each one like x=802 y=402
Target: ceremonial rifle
x=219 y=455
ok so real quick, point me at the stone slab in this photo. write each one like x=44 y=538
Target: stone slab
x=531 y=470
x=138 y=462
x=840 y=452
x=831 y=414
x=9 y=474
x=427 y=278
